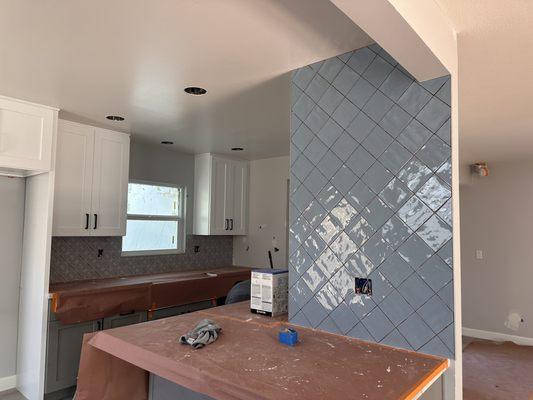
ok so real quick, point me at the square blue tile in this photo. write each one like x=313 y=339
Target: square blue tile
x=360 y=231
x=330 y=100
x=433 y=85
x=377 y=324
x=395 y=269
x=329 y=197
x=314 y=213
x=377 y=142
x=343 y=282
x=314 y=312
x=361 y=92
x=436 y=273
x=345 y=80
x=360 y=305
x=317 y=87
x=315 y=181
x=434 y=153
x=435 y=232
x=316 y=119
x=344 y=179
x=395 y=157
x=415 y=291
x=377 y=177
x=414 y=251
x=329 y=164
x=436 y=314
x=331 y=68
x=302 y=137
x=303 y=77
x=359 y=265
x=330 y=132
x=414 y=213
x=361 y=127
x=414 y=99
x=344 y=318
x=377 y=249
x=434 y=193
x=395 y=194
x=377 y=106
x=360 y=332
x=395 y=232
x=416 y=331
x=314 y=245
x=328 y=263
x=414 y=136
x=360 y=160
x=314 y=278
x=395 y=121
x=396 y=84
x=414 y=174
x=434 y=114
x=396 y=308
x=361 y=59
x=376 y=213
x=345 y=113
x=315 y=150
x=360 y=196
x=303 y=106
x=344 y=146
x=377 y=71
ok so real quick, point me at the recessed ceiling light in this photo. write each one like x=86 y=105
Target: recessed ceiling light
x=197 y=91
x=167 y=142
x=237 y=149
x=116 y=118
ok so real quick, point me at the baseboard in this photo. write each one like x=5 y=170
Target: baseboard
x=496 y=336
x=8 y=383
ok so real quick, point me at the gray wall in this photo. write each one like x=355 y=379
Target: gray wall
x=11 y=225
x=370 y=197
x=496 y=216
x=76 y=258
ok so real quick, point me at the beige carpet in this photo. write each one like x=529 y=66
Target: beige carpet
x=497 y=371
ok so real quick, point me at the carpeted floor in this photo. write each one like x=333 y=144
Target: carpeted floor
x=497 y=371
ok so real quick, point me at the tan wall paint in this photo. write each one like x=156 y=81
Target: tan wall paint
x=497 y=217
x=268 y=215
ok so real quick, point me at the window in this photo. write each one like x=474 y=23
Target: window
x=156 y=221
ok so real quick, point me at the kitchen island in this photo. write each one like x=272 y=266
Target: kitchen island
x=248 y=362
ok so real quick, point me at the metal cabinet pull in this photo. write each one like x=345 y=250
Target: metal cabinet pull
x=226 y=224
x=87 y=221
x=231 y=220
x=95 y=221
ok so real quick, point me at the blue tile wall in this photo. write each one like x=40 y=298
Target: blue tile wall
x=371 y=197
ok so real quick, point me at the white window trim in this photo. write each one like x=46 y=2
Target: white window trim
x=182 y=223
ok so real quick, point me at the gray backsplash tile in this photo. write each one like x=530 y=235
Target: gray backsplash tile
x=76 y=258
x=375 y=202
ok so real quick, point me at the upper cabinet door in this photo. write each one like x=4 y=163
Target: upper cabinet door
x=110 y=183
x=239 y=189
x=26 y=136
x=73 y=180
x=219 y=202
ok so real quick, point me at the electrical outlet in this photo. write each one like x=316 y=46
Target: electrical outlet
x=479 y=254
x=363 y=286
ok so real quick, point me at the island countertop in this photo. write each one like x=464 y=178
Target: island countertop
x=248 y=362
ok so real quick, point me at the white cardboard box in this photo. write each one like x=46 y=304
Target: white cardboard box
x=270 y=291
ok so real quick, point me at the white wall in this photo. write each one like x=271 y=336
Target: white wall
x=11 y=225
x=268 y=215
x=160 y=164
x=497 y=218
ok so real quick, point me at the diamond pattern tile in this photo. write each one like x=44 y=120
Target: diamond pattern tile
x=370 y=197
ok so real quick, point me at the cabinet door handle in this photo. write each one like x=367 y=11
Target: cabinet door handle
x=231 y=221
x=226 y=224
x=87 y=221
x=95 y=221
x=99 y=326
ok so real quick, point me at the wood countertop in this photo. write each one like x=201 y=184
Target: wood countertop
x=247 y=361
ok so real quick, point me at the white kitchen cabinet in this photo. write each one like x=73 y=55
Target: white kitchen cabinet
x=91 y=181
x=221 y=195
x=27 y=133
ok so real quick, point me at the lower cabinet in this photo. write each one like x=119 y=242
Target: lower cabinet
x=161 y=389
x=64 y=347
x=63 y=353
x=178 y=310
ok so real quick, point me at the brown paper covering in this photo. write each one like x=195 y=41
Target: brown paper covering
x=247 y=361
x=82 y=301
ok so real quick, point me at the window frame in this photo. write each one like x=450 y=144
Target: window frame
x=181 y=221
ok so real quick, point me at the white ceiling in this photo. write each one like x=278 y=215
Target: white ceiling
x=495 y=62
x=134 y=57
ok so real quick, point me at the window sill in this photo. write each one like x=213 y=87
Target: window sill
x=150 y=253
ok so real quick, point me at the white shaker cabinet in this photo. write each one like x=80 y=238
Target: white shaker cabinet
x=91 y=181
x=27 y=134
x=221 y=195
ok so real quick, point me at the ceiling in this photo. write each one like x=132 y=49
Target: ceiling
x=95 y=58
x=495 y=64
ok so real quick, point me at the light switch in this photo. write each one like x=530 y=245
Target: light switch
x=479 y=254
